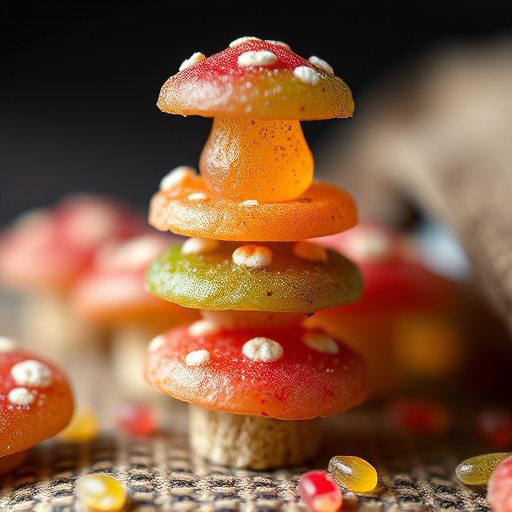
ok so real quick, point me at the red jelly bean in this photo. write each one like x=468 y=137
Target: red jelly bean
x=423 y=416
x=499 y=488
x=495 y=426
x=319 y=491
x=136 y=418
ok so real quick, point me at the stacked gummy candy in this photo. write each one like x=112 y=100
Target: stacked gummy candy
x=257 y=378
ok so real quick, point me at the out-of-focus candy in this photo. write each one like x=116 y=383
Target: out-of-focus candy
x=82 y=427
x=499 y=488
x=420 y=415
x=495 y=426
x=353 y=473
x=136 y=418
x=478 y=469
x=100 y=492
x=319 y=491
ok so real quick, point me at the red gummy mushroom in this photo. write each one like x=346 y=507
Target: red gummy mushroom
x=257 y=92
x=112 y=295
x=278 y=382
x=405 y=321
x=35 y=402
x=44 y=251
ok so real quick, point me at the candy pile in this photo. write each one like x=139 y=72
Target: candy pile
x=260 y=378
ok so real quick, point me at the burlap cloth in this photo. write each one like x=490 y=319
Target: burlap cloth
x=437 y=136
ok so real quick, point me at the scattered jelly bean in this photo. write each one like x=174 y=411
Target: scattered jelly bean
x=136 y=418
x=353 y=473
x=419 y=415
x=478 y=469
x=499 y=488
x=319 y=491
x=100 y=492
x=495 y=426
x=82 y=427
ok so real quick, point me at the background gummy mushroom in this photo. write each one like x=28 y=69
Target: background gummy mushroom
x=44 y=251
x=35 y=402
x=258 y=379
x=112 y=295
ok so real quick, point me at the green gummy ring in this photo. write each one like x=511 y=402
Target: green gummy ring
x=289 y=284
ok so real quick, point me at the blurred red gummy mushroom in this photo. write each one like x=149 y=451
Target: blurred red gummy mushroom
x=44 y=251
x=405 y=324
x=111 y=295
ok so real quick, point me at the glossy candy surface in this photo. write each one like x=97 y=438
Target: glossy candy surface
x=266 y=161
x=100 y=492
x=189 y=209
x=35 y=399
x=284 y=373
x=499 y=488
x=353 y=473
x=319 y=492
x=260 y=277
x=478 y=469
x=281 y=85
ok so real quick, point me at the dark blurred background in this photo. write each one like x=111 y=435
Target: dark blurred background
x=79 y=80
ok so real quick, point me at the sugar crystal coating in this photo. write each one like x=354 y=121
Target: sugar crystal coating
x=252 y=256
x=353 y=473
x=262 y=349
x=32 y=373
x=20 y=396
x=197 y=357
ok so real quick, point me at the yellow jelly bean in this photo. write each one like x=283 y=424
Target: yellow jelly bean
x=353 y=473
x=82 y=427
x=477 y=470
x=100 y=492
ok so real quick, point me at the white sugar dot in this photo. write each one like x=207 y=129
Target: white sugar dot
x=369 y=245
x=258 y=58
x=197 y=196
x=32 y=373
x=252 y=256
x=176 y=177
x=307 y=75
x=262 y=349
x=192 y=61
x=7 y=344
x=250 y=202
x=241 y=40
x=156 y=343
x=199 y=246
x=203 y=327
x=309 y=251
x=322 y=64
x=277 y=43
x=320 y=342
x=197 y=357
x=20 y=396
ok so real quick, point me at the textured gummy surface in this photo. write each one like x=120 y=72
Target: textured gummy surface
x=190 y=210
x=219 y=86
x=287 y=284
x=305 y=380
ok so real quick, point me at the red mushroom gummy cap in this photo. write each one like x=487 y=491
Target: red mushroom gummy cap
x=288 y=374
x=258 y=80
x=35 y=399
